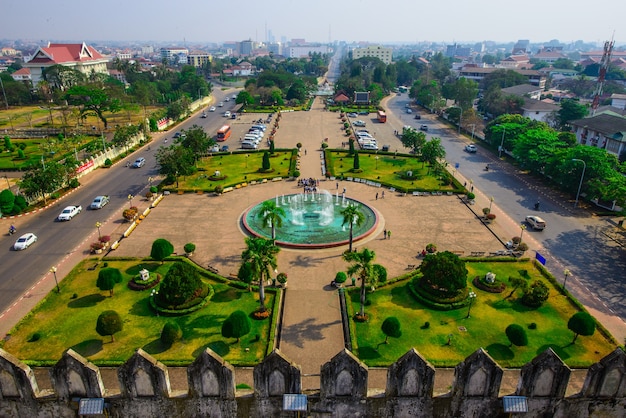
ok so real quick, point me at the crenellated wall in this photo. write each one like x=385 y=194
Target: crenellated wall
x=146 y=392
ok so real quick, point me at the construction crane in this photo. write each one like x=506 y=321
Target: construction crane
x=604 y=65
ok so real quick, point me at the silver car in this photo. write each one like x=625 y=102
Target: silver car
x=25 y=241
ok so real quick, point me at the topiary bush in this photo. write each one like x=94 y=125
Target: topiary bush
x=171 y=333
x=189 y=247
x=536 y=294
x=340 y=277
x=161 y=248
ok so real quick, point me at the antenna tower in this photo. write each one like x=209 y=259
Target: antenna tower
x=604 y=65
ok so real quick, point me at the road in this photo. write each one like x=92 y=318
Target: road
x=21 y=270
x=574 y=239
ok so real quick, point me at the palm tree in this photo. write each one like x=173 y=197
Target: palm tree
x=352 y=215
x=272 y=216
x=362 y=265
x=261 y=255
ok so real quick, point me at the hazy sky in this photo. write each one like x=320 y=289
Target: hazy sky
x=196 y=21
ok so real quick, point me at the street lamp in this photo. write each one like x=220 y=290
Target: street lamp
x=98 y=225
x=130 y=200
x=247 y=156
x=376 y=158
x=490 y=203
x=471 y=297
x=53 y=270
x=523 y=228
x=502 y=141
x=473 y=128
x=582 y=176
x=566 y=273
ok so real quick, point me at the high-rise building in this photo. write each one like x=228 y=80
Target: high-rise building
x=382 y=53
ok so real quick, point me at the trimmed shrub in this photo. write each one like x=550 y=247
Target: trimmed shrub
x=109 y=323
x=581 y=323
x=516 y=335
x=536 y=294
x=391 y=328
x=340 y=277
x=236 y=325
x=161 y=249
x=171 y=333
x=189 y=247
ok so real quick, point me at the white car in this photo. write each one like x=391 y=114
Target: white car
x=99 y=202
x=69 y=212
x=212 y=109
x=25 y=241
x=359 y=123
x=536 y=222
x=471 y=148
x=227 y=99
x=221 y=104
x=227 y=114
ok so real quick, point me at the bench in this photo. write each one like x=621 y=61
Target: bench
x=459 y=253
x=233 y=276
x=212 y=269
x=410 y=267
x=477 y=253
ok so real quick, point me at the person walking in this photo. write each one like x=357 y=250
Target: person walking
x=383 y=195
x=376 y=195
x=385 y=234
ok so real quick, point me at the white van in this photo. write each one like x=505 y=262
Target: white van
x=259 y=126
x=370 y=146
x=249 y=145
x=252 y=138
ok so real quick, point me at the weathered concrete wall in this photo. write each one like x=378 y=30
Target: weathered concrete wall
x=145 y=388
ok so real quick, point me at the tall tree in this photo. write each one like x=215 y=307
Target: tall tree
x=272 y=216
x=109 y=323
x=236 y=325
x=93 y=99
x=195 y=140
x=581 y=323
x=175 y=161
x=260 y=254
x=352 y=215
x=362 y=266
x=391 y=328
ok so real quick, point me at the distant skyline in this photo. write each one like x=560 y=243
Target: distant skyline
x=390 y=21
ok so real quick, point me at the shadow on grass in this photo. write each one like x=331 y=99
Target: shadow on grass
x=500 y=351
x=401 y=296
x=222 y=348
x=368 y=353
x=199 y=327
x=156 y=347
x=227 y=295
x=88 y=301
x=88 y=347
x=142 y=307
x=150 y=266
x=560 y=351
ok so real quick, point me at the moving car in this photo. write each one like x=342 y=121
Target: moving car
x=221 y=104
x=25 y=241
x=203 y=116
x=69 y=212
x=227 y=99
x=418 y=116
x=409 y=110
x=139 y=162
x=471 y=148
x=212 y=109
x=99 y=202
x=424 y=128
x=536 y=222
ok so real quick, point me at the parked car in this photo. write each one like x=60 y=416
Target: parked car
x=214 y=148
x=471 y=148
x=385 y=147
x=227 y=114
x=364 y=112
x=359 y=123
x=352 y=115
x=409 y=111
x=139 y=162
x=424 y=128
x=418 y=116
x=212 y=109
x=233 y=116
x=177 y=135
x=224 y=148
x=25 y=241
x=536 y=222
x=69 y=212
x=99 y=202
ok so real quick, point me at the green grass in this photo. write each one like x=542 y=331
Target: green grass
x=387 y=168
x=238 y=168
x=490 y=315
x=66 y=322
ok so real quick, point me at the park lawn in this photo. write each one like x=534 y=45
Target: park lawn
x=491 y=313
x=239 y=167
x=386 y=170
x=67 y=322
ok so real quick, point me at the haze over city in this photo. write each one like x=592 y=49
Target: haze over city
x=392 y=21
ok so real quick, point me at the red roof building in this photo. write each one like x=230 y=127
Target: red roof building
x=80 y=57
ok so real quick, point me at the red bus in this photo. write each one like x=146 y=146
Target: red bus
x=382 y=116
x=223 y=133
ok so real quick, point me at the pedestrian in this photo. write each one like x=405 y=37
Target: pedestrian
x=389 y=234
x=383 y=196
x=305 y=151
x=344 y=190
x=465 y=184
x=472 y=188
x=376 y=195
x=385 y=234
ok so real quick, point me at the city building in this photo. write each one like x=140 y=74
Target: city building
x=23 y=74
x=299 y=51
x=174 y=55
x=198 y=58
x=606 y=131
x=80 y=57
x=382 y=53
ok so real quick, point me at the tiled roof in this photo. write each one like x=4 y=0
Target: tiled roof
x=63 y=53
x=22 y=71
x=604 y=123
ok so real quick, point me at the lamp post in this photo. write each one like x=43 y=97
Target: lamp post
x=376 y=158
x=471 y=296
x=53 y=270
x=130 y=200
x=98 y=225
x=473 y=129
x=247 y=156
x=522 y=227
x=490 y=203
x=566 y=273
x=460 y=119
x=501 y=142
x=582 y=176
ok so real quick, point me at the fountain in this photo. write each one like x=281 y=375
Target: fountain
x=312 y=220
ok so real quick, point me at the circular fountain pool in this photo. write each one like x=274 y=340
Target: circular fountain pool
x=312 y=220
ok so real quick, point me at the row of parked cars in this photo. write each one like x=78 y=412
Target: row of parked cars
x=253 y=138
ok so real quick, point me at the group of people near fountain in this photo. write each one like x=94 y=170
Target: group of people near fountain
x=310 y=184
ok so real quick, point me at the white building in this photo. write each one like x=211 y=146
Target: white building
x=382 y=53
x=299 y=51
